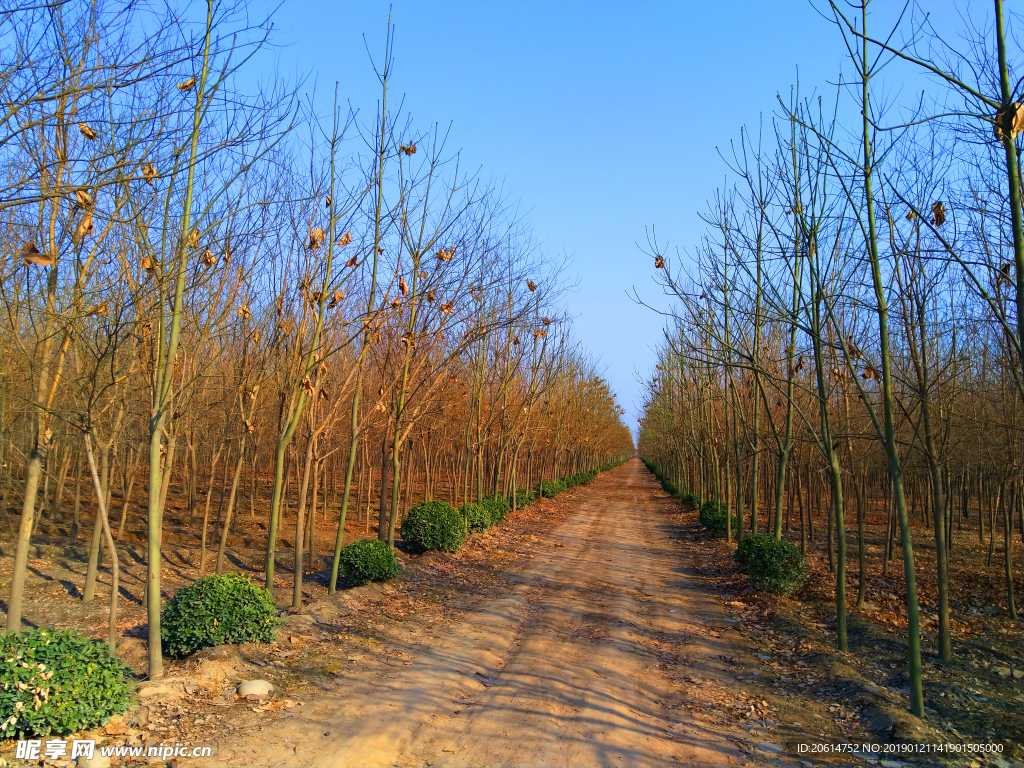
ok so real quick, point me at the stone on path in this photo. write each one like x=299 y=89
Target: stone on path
x=255 y=688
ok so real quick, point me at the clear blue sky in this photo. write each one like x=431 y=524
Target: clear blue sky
x=602 y=118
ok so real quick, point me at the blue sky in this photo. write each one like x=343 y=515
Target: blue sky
x=601 y=118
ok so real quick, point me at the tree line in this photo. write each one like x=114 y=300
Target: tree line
x=848 y=332
x=206 y=282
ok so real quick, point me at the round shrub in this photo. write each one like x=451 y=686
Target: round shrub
x=774 y=565
x=76 y=682
x=524 y=498
x=434 y=525
x=550 y=488
x=477 y=516
x=690 y=501
x=369 y=560
x=713 y=518
x=498 y=506
x=583 y=478
x=745 y=550
x=217 y=610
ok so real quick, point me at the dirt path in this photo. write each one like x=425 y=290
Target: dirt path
x=592 y=658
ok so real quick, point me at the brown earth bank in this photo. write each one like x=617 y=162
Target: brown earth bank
x=598 y=628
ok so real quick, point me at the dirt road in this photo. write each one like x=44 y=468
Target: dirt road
x=590 y=659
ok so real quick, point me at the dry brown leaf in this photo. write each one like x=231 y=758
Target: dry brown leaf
x=84 y=228
x=545 y=320
x=307 y=385
x=244 y=312
x=187 y=85
x=87 y=132
x=353 y=262
x=148 y=172
x=403 y=287
x=316 y=238
x=30 y=256
x=659 y=262
x=1016 y=124
x=84 y=198
x=255 y=336
x=97 y=310
x=531 y=285
x=430 y=296
x=193 y=239
x=938 y=213
x=423 y=274
x=447 y=308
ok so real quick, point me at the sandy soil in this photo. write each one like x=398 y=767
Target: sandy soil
x=605 y=648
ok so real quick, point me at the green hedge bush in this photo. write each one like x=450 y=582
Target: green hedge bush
x=774 y=565
x=498 y=506
x=218 y=610
x=713 y=518
x=524 y=498
x=667 y=485
x=550 y=488
x=434 y=525
x=690 y=501
x=583 y=478
x=477 y=516
x=76 y=681
x=369 y=560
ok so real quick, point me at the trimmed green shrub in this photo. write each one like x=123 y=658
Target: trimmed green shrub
x=478 y=517
x=745 y=549
x=774 y=565
x=58 y=683
x=713 y=518
x=690 y=501
x=218 y=610
x=369 y=560
x=524 y=497
x=583 y=478
x=667 y=485
x=498 y=506
x=550 y=488
x=434 y=525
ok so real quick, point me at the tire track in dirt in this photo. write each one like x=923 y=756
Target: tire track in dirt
x=573 y=667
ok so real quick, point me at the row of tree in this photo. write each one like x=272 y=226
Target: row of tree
x=853 y=316
x=202 y=283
